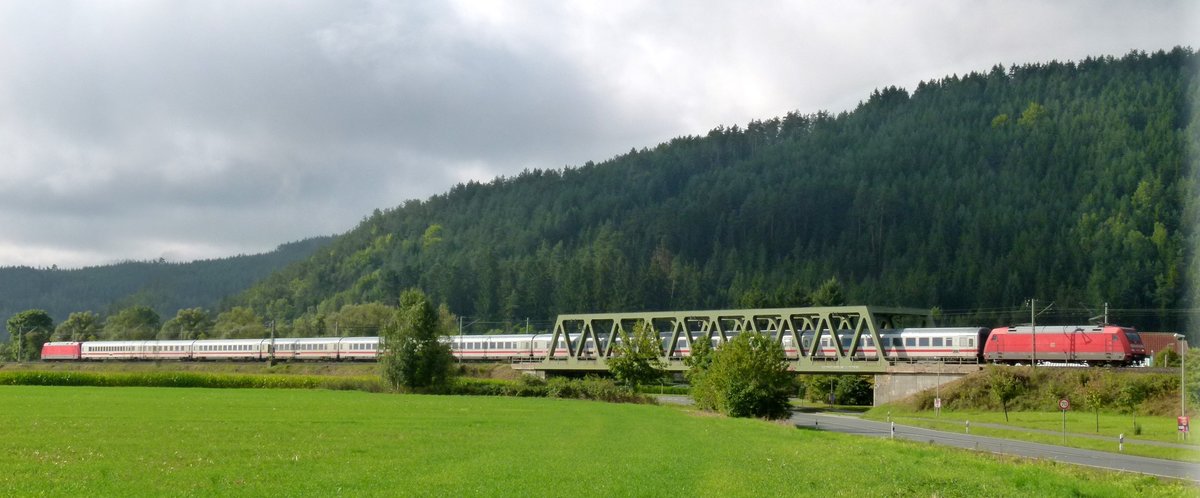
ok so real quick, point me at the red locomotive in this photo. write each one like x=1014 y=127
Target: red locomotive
x=61 y=350
x=1091 y=345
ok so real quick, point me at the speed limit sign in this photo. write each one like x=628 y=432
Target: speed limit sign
x=1064 y=404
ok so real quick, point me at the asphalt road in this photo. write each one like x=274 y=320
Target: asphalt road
x=1112 y=461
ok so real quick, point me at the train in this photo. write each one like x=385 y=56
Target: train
x=1083 y=345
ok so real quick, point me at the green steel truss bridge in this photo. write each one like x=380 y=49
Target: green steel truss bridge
x=588 y=339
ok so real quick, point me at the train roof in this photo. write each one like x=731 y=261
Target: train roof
x=306 y=340
x=1064 y=329
x=497 y=337
x=230 y=341
x=114 y=343
x=917 y=331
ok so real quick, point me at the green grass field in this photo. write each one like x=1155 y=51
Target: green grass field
x=1081 y=429
x=71 y=441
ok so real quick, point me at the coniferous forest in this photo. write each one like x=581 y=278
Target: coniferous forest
x=1069 y=182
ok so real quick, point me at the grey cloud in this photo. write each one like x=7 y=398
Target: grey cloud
x=200 y=129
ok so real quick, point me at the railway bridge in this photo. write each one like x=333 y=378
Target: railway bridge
x=582 y=343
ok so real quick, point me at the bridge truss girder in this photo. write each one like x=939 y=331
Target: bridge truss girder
x=589 y=338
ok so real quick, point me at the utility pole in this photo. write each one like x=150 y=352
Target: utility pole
x=1182 y=378
x=1033 y=313
x=1033 y=328
x=1105 y=314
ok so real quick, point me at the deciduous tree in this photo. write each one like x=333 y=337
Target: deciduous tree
x=414 y=357
x=79 y=326
x=135 y=323
x=637 y=358
x=29 y=330
x=188 y=324
x=1005 y=386
x=239 y=323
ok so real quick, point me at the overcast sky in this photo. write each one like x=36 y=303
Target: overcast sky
x=191 y=130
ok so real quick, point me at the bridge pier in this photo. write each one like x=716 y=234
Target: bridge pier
x=903 y=381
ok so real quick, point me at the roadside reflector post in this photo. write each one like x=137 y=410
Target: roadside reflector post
x=893 y=430
x=968 y=427
x=1064 y=405
x=1121 y=443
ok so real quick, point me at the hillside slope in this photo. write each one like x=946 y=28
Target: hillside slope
x=1060 y=181
x=166 y=287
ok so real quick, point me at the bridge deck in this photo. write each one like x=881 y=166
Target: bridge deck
x=827 y=368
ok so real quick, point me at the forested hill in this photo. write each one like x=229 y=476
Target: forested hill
x=1059 y=181
x=166 y=287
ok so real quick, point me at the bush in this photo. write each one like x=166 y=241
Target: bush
x=189 y=379
x=1166 y=358
x=591 y=388
x=748 y=377
x=858 y=390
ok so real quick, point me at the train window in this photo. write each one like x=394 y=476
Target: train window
x=937 y=342
x=923 y=342
x=910 y=342
x=870 y=343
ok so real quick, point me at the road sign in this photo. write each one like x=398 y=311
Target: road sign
x=1064 y=404
x=1183 y=424
x=937 y=403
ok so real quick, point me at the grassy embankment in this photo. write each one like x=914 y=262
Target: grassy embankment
x=1033 y=410
x=146 y=441
x=1081 y=431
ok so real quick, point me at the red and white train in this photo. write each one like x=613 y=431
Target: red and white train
x=467 y=347
x=1091 y=345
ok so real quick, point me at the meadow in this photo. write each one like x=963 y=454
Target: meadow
x=70 y=441
x=1046 y=427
